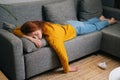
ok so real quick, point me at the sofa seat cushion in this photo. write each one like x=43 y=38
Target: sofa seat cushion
x=112 y=29
x=111 y=39
x=40 y=61
x=83 y=45
x=89 y=8
x=45 y=58
x=60 y=12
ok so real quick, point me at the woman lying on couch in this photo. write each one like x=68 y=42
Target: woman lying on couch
x=56 y=34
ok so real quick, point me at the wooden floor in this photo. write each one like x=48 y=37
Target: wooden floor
x=2 y=76
x=88 y=69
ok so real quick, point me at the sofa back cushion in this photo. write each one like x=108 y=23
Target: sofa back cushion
x=89 y=8
x=22 y=11
x=59 y=12
x=33 y=10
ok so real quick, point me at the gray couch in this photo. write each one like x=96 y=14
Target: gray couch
x=20 y=59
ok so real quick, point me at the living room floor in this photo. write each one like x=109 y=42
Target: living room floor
x=88 y=69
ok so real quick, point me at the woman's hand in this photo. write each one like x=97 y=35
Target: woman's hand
x=36 y=41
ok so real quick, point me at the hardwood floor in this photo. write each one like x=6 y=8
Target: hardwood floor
x=2 y=76
x=88 y=69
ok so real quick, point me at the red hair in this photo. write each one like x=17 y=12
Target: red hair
x=31 y=26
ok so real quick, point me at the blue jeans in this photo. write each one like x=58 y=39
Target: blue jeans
x=88 y=26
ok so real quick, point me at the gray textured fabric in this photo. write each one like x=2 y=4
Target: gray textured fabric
x=22 y=11
x=114 y=12
x=83 y=45
x=9 y=27
x=60 y=12
x=40 y=61
x=89 y=9
x=45 y=59
x=11 y=56
x=110 y=3
x=111 y=40
x=28 y=46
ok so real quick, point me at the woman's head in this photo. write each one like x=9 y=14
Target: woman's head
x=32 y=29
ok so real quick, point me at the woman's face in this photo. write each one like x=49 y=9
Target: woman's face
x=36 y=34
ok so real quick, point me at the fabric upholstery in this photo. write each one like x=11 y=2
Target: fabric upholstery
x=60 y=12
x=22 y=11
x=111 y=39
x=89 y=8
x=9 y=27
x=114 y=12
x=110 y=3
x=11 y=58
x=38 y=61
x=82 y=45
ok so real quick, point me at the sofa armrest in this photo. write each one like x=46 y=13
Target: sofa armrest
x=111 y=12
x=11 y=56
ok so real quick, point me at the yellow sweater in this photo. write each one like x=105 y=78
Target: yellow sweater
x=55 y=35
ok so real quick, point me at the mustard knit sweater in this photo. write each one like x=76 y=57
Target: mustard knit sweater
x=56 y=34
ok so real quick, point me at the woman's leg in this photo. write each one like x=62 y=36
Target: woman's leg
x=101 y=25
x=91 y=25
x=88 y=27
x=83 y=27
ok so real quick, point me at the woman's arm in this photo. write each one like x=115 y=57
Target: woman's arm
x=37 y=42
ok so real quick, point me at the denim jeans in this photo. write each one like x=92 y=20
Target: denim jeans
x=88 y=26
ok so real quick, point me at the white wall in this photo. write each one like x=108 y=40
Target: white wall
x=14 y=1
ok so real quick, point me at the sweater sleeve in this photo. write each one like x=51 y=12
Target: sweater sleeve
x=18 y=32
x=55 y=35
x=58 y=46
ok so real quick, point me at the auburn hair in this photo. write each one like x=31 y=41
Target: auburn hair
x=31 y=26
